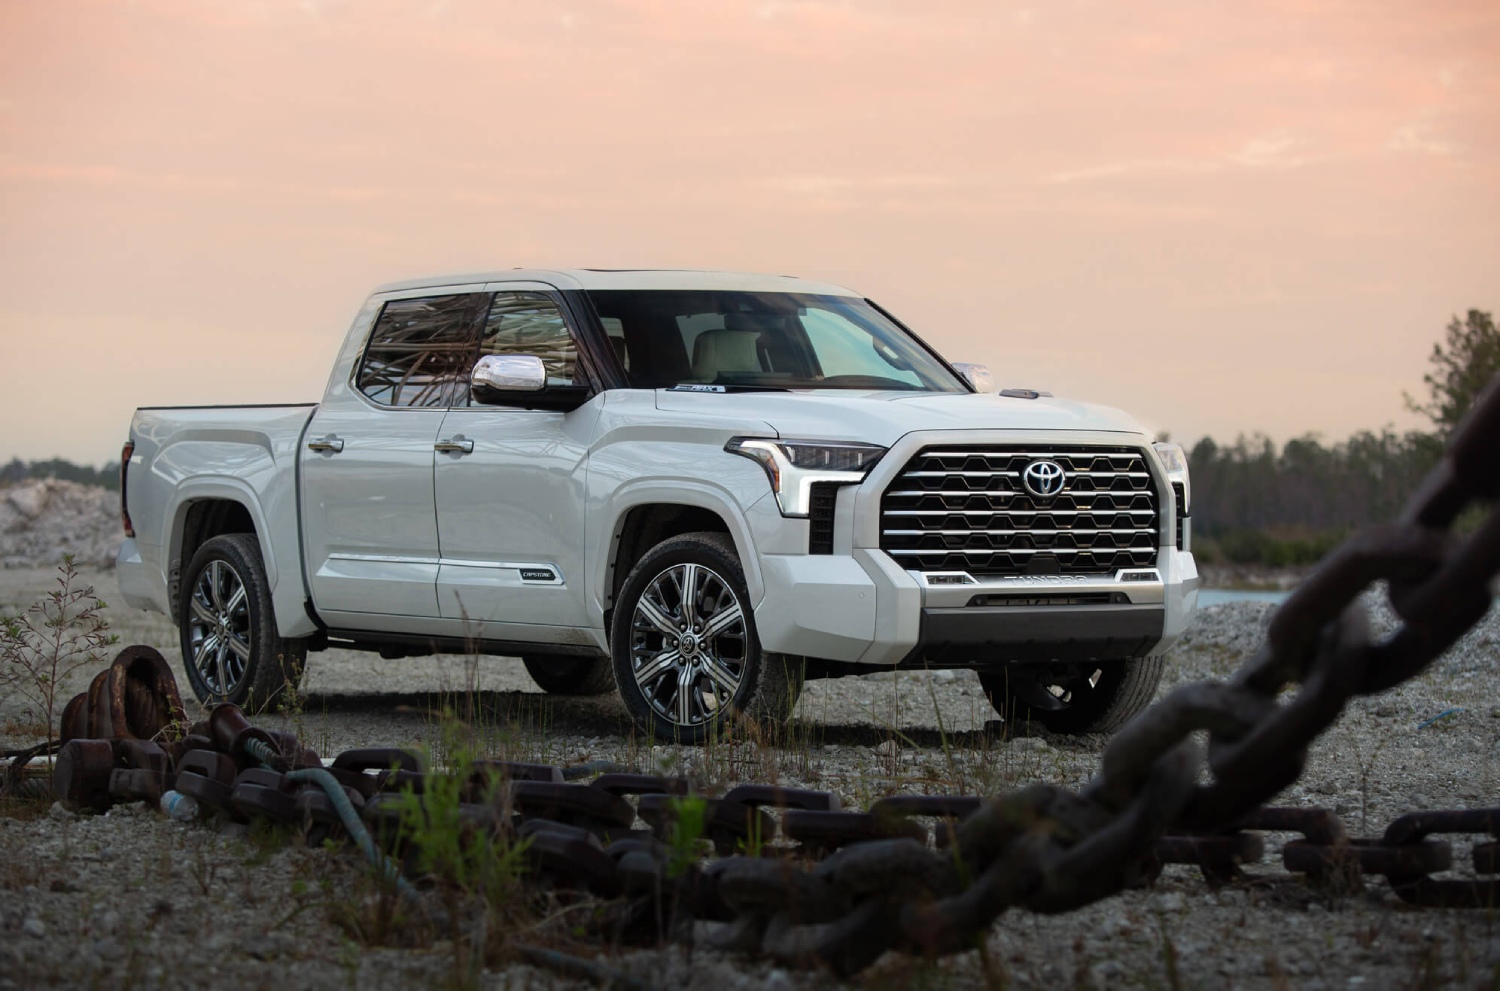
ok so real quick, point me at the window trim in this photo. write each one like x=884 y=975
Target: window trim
x=584 y=374
x=400 y=297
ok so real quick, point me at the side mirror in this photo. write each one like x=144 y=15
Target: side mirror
x=521 y=380
x=978 y=376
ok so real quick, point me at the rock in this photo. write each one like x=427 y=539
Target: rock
x=61 y=813
x=889 y=748
x=34 y=927
x=43 y=519
x=29 y=498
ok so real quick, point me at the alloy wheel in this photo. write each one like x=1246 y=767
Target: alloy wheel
x=219 y=627
x=688 y=644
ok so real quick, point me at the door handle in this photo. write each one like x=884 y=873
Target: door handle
x=455 y=445
x=326 y=445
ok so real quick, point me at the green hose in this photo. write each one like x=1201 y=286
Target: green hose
x=348 y=815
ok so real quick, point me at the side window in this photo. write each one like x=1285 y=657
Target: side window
x=530 y=323
x=418 y=351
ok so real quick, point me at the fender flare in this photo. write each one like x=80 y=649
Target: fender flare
x=678 y=492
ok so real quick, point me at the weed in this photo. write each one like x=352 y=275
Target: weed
x=204 y=867
x=475 y=870
x=42 y=647
x=689 y=817
x=1168 y=954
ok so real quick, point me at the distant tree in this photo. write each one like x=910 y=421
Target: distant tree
x=19 y=471
x=1460 y=370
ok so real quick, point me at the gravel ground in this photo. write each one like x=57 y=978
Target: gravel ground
x=133 y=899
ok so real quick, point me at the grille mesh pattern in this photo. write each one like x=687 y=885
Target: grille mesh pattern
x=959 y=508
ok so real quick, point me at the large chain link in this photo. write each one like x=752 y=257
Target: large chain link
x=1051 y=850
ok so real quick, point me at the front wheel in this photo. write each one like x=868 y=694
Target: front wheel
x=1091 y=698
x=686 y=655
x=230 y=647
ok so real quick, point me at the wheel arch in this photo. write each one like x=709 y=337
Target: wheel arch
x=207 y=512
x=647 y=517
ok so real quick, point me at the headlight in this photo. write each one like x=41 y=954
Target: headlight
x=1174 y=460
x=1173 y=457
x=793 y=466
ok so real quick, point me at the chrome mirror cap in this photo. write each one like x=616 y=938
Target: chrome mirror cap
x=978 y=376
x=509 y=373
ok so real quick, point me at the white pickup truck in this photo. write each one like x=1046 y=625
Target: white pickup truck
x=699 y=487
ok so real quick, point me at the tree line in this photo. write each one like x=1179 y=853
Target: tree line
x=1255 y=503
x=19 y=471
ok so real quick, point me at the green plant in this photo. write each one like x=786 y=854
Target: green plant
x=41 y=648
x=689 y=816
x=474 y=867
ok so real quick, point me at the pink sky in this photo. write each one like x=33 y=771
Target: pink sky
x=1222 y=217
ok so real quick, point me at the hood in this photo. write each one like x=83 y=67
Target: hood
x=883 y=417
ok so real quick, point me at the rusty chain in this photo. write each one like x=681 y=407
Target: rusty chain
x=840 y=887
x=1050 y=850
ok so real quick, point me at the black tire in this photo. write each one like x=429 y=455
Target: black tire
x=561 y=675
x=1121 y=689
x=767 y=685
x=247 y=663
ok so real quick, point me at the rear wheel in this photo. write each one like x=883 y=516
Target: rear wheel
x=686 y=655
x=559 y=675
x=1092 y=698
x=230 y=647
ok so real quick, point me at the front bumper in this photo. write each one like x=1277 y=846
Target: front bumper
x=865 y=609
x=859 y=606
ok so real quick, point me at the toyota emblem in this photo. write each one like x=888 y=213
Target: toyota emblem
x=1043 y=479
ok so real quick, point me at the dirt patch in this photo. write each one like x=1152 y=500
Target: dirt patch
x=133 y=898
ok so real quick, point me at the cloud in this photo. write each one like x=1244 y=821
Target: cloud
x=1417 y=137
x=819 y=184
x=1139 y=166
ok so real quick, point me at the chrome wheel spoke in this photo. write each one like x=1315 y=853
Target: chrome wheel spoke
x=236 y=601
x=215 y=578
x=239 y=648
x=653 y=613
x=722 y=620
x=203 y=653
x=685 y=691
x=202 y=613
x=656 y=667
x=687 y=584
x=723 y=679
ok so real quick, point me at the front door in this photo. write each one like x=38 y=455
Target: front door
x=510 y=491
x=369 y=520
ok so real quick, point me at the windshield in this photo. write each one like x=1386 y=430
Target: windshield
x=764 y=340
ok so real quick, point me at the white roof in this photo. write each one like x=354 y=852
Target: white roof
x=602 y=278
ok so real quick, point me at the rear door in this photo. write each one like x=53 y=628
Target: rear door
x=367 y=498
x=510 y=487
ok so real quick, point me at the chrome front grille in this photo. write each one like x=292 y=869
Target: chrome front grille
x=959 y=508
